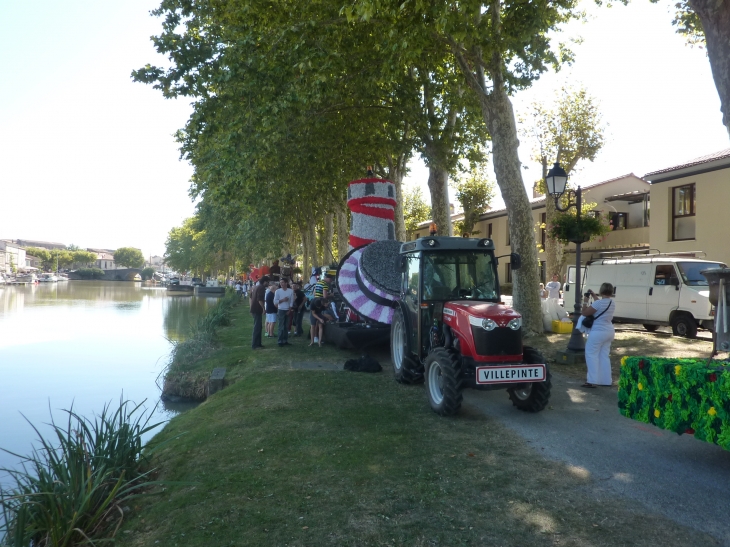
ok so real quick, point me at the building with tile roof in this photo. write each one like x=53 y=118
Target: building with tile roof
x=690 y=204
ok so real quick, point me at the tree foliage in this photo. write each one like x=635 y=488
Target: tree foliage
x=568 y=131
x=475 y=192
x=129 y=257
x=415 y=209
x=292 y=100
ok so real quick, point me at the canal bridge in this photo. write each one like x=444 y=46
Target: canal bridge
x=121 y=274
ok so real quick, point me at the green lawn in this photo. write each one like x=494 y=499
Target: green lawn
x=297 y=457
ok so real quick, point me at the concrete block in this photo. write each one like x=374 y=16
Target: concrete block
x=217 y=379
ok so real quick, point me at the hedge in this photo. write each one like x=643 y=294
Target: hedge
x=681 y=395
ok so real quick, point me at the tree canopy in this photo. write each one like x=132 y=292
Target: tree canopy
x=292 y=100
x=567 y=131
x=129 y=257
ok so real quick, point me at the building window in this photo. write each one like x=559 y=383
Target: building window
x=509 y=240
x=508 y=273
x=683 y=212
x=543 y=272
x=543 y=229
x=618 y=221
x=418 y=235
x=489 y=230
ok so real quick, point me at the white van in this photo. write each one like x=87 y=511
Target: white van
x=653 y=291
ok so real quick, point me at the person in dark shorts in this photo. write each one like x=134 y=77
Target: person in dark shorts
x=317 y=319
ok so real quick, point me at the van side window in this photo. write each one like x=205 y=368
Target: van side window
x=664 y=274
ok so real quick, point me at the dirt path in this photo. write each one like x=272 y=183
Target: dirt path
x=677 y=476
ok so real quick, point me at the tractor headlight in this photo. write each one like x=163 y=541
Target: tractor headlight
x=488 y=324
x=515 y=324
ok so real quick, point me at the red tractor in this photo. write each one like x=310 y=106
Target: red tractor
x=451 y=329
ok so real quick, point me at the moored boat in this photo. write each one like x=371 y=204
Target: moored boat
x=48 y=278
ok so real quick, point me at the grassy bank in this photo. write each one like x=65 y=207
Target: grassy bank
x=286 y=456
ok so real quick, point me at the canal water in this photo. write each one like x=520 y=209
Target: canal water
x=83 y=344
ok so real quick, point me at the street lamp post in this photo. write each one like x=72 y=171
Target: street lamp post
x=556 y=181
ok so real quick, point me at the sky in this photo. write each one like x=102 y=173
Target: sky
x=88 y=157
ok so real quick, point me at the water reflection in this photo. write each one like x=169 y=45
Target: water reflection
x=181 y=312
x=83 y=343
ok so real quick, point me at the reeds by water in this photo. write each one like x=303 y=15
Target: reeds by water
x=72 y=488
x=178 y=378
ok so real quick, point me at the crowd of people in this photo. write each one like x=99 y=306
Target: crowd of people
x=283 y=308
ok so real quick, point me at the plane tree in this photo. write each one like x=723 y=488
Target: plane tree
x=499 y=48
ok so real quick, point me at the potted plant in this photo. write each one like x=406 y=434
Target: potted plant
x=568 y=228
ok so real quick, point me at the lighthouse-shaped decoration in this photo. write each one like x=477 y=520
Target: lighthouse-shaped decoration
x=368 y=278
x=372 y=204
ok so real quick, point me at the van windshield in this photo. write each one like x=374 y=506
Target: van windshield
x=691 y=275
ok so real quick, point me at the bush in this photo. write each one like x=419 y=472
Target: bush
x=505 y=288
x=681 y=395
x=90 y=273
x=72 y=492
x=147 y=273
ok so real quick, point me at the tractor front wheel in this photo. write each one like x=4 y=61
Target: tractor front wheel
x=532 y=397
x=443 y=383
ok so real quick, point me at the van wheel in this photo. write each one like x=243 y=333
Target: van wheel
x=684 y=325
x=651 y=328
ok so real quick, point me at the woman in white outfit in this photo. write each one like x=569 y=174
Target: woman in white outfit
x=598 y=346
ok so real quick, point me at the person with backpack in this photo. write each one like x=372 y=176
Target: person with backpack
x=597 y=321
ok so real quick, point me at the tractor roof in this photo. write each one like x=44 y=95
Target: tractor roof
x=435 y=243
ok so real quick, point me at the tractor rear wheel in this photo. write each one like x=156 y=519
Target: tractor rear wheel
x=532 y=397
x=400 y=350
x=443 y=382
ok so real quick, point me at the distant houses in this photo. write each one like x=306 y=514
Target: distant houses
x=12 y=257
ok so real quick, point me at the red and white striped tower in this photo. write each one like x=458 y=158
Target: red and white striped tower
x=372 y=203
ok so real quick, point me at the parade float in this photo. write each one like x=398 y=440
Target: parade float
x=367 y=279
x=689 y=396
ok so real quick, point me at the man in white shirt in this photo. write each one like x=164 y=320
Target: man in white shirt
x=283 y=298
x=553 y=288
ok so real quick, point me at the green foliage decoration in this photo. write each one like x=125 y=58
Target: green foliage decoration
x=681 y=395
x=567 y=228
x=147 y=273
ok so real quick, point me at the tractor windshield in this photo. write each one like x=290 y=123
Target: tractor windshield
x=450 y=275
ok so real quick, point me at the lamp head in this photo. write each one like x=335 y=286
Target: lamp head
x=433 y=229
x=556 y=180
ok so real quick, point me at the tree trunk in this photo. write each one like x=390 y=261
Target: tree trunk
x=343 y=228
x=438 y=185
x=500 y=119
x=327 y=233
x=715 y=17
x=312 y=234
x=395 y=175
x=306 y=261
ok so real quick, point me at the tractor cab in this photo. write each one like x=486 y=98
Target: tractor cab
x=451 y=328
